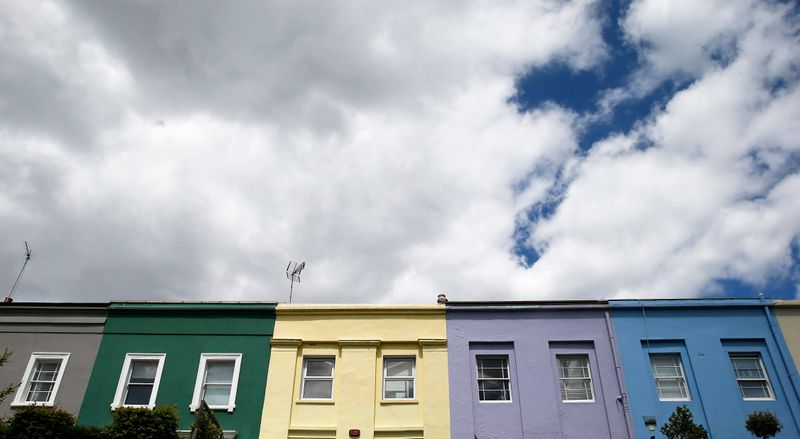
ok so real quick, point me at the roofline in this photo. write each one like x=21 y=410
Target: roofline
x=525 y=305
x=691 y=303
x=54 y=305
x=356 y=309
x=787 y=303
x=190 y=306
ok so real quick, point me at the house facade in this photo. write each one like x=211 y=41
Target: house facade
x=366 y=371
x=155 y=354
x=534 y=370
x=788 y=314
x=53 y=347
x=722 y=358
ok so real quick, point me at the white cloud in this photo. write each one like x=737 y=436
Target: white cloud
x=189 y=150
x=710 y=198
x=375 y=141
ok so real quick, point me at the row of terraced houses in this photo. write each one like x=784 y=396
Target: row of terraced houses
x=466 y=370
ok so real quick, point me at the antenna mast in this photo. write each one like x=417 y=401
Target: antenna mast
x=293 y=274
x=28 y=253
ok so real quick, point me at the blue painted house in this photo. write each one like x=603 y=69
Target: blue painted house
x=722 y=358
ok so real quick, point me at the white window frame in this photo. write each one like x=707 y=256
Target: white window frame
x=332 y=377
x=681 y=377
x=755 y=356
x=506 y=357
x=24 y=387
x=124 y=376
x=201 y=378
x=412 y=377
x=588 y=370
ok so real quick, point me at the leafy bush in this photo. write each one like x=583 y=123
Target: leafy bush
x=206 y=428
x=680 y=425
x=763 y=425
x=41 y=423
x=138 y=423
x=89 y=432
x=8 y=390
x=3 y=428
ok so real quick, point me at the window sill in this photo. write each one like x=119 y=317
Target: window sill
x=315 y=401
x=31 y=404
x=580 y=401
x=229 y=409
x=398 y=401
x=116 y=406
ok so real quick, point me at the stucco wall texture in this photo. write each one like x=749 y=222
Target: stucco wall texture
x=51 y=328
x=788 y=313
x=532 y=338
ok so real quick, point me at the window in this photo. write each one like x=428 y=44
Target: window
x=42 y=379
x=398 y=378
x=138 y=382
x=670 y=380
x=751 y=376
x=217 y=380
x=318 y=378
x=494 y=382
x=575 y=378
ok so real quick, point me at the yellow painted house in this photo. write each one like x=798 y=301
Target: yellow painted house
x=358 y=371
x=788 y=313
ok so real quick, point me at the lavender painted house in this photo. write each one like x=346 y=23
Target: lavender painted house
x=541 y=370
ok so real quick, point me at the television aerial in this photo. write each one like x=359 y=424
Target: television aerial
x=28 y=253
x=293 y=274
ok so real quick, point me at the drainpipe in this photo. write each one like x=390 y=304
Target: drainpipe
x=618 y=370
x=787 y=366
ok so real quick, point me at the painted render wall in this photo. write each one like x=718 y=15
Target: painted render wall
x=703 y=333
x=788 y=313
x=358 y=337
x=532 y=336
x=76 y=329
x=183 y=331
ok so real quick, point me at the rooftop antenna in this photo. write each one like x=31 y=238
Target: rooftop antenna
x=28 y=253
x=293 y=274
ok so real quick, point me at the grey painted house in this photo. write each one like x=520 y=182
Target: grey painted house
x=54 y=347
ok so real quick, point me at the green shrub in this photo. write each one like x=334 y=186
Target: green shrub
x=206 y=428
x=41 y=423
x=681 y=426
x=140 y=423
x=763 y=425
x=3 y=428
x=89 y=432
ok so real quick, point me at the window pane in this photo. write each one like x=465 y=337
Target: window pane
x=399 y=367
x=40 y=392
x=573 y=367
x=219 y=371
x=138 y=394
x=496 y=393
x=492 y=368
x=319 y=367
x=46 y=370
x=217 y=395
x=754 y=389
x=320 y=389
x=143 y=371
x=399 y=389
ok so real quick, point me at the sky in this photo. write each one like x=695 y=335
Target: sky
x=489 y=150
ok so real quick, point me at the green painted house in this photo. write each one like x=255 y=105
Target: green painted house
x=155 y=354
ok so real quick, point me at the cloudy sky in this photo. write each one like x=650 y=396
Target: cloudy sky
x=524 y=150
